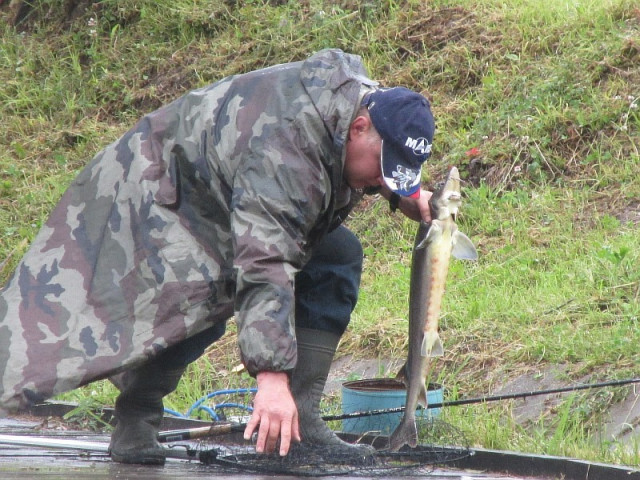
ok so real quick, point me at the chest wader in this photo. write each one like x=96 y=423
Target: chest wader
x=139 y=411
x=315 y=354
x=326 y=294
x=139 y=408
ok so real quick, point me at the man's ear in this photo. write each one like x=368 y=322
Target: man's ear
x=360 y=125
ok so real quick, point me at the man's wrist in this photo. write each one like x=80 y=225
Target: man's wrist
x=279 y=377
x=394 y=201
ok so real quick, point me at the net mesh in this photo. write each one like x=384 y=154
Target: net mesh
x=441 y=443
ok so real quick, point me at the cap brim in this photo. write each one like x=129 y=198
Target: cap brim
x=399 y=178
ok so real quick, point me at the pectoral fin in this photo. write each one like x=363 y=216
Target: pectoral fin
x=430 y=236
x=463 y=248
x=422 y=397
x=432 y=345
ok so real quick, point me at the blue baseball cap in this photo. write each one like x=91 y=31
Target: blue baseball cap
x=404 y=121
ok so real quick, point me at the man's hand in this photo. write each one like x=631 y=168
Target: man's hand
x=415 y=208
x=274 y=414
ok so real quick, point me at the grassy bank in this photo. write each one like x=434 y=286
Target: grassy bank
x=538 y=104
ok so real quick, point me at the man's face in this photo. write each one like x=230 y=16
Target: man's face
x=362 y=163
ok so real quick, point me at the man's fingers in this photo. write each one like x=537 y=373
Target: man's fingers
x=296 y=427
x=272 y=436
x=285 y=437
x=263 y=434
x=252 y=424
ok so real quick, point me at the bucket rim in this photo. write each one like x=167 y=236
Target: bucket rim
x=383 y=384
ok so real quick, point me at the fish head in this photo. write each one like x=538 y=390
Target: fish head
x=445 y=201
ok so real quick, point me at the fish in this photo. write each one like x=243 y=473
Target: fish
x=435 y=242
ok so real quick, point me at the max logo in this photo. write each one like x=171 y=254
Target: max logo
x=420 y=146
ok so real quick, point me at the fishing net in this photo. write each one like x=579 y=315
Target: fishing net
x=441 y=443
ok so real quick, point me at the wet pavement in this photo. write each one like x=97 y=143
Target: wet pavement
x=63 y=462
x=79 y=455
x=27 y=463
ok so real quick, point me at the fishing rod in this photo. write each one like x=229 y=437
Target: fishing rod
x=200 y=432
x=194 y=433
x=485 y=399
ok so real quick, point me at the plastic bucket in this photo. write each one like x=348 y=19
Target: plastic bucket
x=381 y=394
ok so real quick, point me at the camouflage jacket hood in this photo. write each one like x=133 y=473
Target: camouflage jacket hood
x=205 y=208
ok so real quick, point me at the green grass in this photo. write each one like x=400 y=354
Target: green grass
x=546 y=92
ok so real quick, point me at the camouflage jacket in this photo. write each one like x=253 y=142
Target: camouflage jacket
x=206 y=208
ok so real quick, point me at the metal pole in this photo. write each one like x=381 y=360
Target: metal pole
x=179 y=452
x=48 y=442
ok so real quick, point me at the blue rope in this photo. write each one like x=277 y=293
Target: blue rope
x=213 y=411
x=173 y=412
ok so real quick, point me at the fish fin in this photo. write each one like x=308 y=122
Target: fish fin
x=402 y=375
x=463 y=248
x=428 y=237
x=422 y=396
x=432 y=345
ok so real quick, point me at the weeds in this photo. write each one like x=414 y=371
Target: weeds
x=86 y=415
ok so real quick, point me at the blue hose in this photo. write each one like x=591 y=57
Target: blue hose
x=213 y=411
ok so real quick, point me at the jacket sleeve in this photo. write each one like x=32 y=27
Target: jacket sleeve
x=279 y=192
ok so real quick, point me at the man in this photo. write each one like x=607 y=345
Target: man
x=226 y=201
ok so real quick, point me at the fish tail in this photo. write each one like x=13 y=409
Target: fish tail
x=432 y=345
x=405 y=434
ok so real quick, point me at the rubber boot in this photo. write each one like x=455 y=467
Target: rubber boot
x=316 y=349
x=139 y=411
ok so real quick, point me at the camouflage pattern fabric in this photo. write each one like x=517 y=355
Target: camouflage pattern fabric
x=206 y=208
